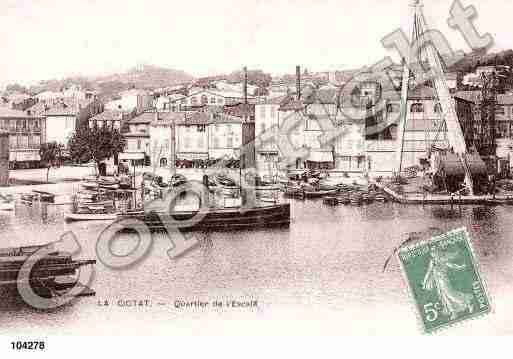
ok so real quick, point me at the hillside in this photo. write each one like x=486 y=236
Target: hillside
x=143 y=77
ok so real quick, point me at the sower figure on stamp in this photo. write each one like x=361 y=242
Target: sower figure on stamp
x=453 y=301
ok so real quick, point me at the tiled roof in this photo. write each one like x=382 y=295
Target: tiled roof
x=62 y=107
x=8 y=112
x=166 y=118
x=240 y=110
x=108 y=115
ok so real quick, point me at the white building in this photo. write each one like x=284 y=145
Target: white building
x=130 y=100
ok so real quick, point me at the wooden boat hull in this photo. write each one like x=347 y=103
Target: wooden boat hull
x=73 y=217
x=318 y=194
x=222 y=219
x=7 y=206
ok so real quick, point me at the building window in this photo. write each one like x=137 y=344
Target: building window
x=204 y=99
x=417 y=108
x=500 y=110
x=213 y=100
x=438 y=108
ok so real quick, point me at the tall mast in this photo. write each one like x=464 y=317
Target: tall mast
x=404 y=93
x=454 y=132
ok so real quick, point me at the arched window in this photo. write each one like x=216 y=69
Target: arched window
x=438 y=108
x=417 y=107
x=163 y=162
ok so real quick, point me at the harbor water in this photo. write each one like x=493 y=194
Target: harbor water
x=325 y=273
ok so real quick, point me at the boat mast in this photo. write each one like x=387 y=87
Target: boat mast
x=404 y=94
x=454 y=132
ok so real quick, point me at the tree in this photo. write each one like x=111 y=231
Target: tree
x=51 y=155
x=94 y=143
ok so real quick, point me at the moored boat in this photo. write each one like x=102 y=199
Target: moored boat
x=220 y=218
x=73 y=217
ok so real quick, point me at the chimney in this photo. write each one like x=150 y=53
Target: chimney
x=245 y=86
x=298 y=81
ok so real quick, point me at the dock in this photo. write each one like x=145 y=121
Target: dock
x=441 y=199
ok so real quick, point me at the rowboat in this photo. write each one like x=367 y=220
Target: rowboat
x=318 y=194
x=89 y=185
x=73 y=217
x=7 y=206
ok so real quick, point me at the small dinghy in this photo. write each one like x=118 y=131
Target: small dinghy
x=73 y=217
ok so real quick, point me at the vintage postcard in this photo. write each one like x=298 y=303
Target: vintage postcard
x=259 y=167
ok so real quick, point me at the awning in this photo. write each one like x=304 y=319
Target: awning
x=192 y=156
x=21 y=156
x=318 y=156
x=268 y=152
x=131 y=156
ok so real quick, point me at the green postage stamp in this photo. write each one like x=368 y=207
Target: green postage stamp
x=443 y=277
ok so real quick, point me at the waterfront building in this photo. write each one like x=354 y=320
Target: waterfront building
x=4 y=158
x=191 y=136
x=137 y=148
x=225 y=136
x=26 y=134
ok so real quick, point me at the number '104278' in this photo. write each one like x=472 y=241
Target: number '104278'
x=28 y=345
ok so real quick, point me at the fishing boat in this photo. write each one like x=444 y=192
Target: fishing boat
x=220 y=219
x=6 y=202
x=50 y=276
x=177 y=180
x=224 y=180
x=89 y=185
x=319 y=193
x=6 y=206
x=73 y=217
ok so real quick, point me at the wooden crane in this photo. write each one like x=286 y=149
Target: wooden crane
x=448 y=112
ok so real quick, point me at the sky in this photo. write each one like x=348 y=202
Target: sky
x=44 y=39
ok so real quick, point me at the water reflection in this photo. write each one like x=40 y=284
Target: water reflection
x=328 y=256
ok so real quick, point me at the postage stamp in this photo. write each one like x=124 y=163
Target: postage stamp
x=444 y=280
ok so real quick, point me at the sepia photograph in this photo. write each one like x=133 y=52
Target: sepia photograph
x=256 y=167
